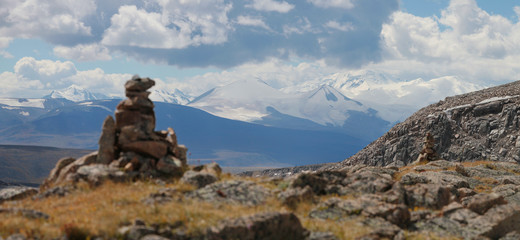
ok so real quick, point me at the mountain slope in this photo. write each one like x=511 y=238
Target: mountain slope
x=176 y=96
x=481 y=125
x=256 y=101
x=393 y=99
x=209 y=138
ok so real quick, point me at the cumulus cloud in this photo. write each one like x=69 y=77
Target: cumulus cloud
x=271 y=6
x=35 y=78
x=14 y=86
x=277 y=73
x=57 y=21
x=221 y=33
x=332 y=3
x=83 y=52
x=50 y=73
x=179 y=24
x=464 y=41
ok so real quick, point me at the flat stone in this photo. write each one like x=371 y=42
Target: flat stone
x=170 y=165
x=181 y=153
x=154 y=149
x=136 y=103
x=481 y=202
x=146 y=122
x=139 y=84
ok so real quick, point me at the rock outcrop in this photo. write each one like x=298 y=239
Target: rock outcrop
x=129 y=146
x=481 y=125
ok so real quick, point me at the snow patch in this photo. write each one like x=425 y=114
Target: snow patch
x=493 y=99
x=23 y=102
x=24 y=113
x=102 y=107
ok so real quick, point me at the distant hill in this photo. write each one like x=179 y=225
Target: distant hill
x=31 y=164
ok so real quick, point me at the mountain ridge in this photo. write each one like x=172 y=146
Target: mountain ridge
x=467 y=127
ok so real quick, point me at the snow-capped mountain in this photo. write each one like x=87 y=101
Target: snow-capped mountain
x=393 y=99
x=76 y=94
x=255 y=101
x=327 y=106
x=245 y=100
x=177 y=96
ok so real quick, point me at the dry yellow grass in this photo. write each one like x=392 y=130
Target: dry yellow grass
x=100 y=211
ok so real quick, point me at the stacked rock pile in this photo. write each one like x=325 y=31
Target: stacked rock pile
x=129 y=147
x=427 y=153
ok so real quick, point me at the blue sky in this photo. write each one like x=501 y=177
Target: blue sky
x=195 y=45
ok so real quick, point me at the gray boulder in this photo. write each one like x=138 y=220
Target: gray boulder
x=271 y=225
x=481 y=202
x=16 y=193
x=198 y=179
x=496 y=222
x=233 y=191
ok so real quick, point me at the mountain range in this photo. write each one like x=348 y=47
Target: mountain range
x=244 y=123
x=321 y=108
x=208 y=137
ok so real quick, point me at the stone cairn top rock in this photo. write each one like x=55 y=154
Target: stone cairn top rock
x=129 y=147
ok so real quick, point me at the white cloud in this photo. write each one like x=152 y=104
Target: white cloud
x=271 y=6
x=251 y=21
x=4 y=43
x=345 y=27
x=179 y=24
x=13 y=86
x=347 y=4
x=36 y=78
x=48 y=19
x=97 y=80
x=303 y=25
x=277 y=73
x=51 y=73
x=83 y=52
x=464 y=41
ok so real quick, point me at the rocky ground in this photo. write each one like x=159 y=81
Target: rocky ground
x=437 y=200
x=473 y=126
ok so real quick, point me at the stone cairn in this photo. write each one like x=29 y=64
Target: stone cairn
x=427 y=154
x=129 y=147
